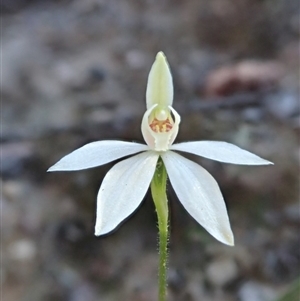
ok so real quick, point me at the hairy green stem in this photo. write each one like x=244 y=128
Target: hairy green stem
x=158 y=190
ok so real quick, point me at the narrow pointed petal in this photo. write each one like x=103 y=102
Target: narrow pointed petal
x=160 y=83
x=220 y=151
x=200 y=195
x=123 y=189
x=96 y=154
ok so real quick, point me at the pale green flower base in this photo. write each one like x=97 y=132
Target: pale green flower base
x=158 y=190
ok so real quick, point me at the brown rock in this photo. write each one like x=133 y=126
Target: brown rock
x=243 y=77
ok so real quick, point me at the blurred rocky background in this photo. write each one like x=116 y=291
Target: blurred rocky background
x=75 y=71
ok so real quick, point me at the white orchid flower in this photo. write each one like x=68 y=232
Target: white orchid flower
x=125 y=185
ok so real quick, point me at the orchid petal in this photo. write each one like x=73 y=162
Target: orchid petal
x=123 y=189
x=96 y=154
x=220 y=151
x=200 y=195
x=160 y=83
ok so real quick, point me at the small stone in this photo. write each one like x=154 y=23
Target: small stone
x=283 y=105
x=14 y=155
x=292 y=212
x=83 y=291
x=195 y=286
x=135 y=59
x=252 y=291
x=222 y=271
x=22 y=250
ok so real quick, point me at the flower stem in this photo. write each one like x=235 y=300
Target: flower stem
x=158 y=190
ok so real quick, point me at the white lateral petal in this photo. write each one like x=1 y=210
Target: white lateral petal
x=220 y=151
x=123 y=189
x=200 y=195
x=96 y=154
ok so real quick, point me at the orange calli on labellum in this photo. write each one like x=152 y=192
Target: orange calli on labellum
x=125 y=185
